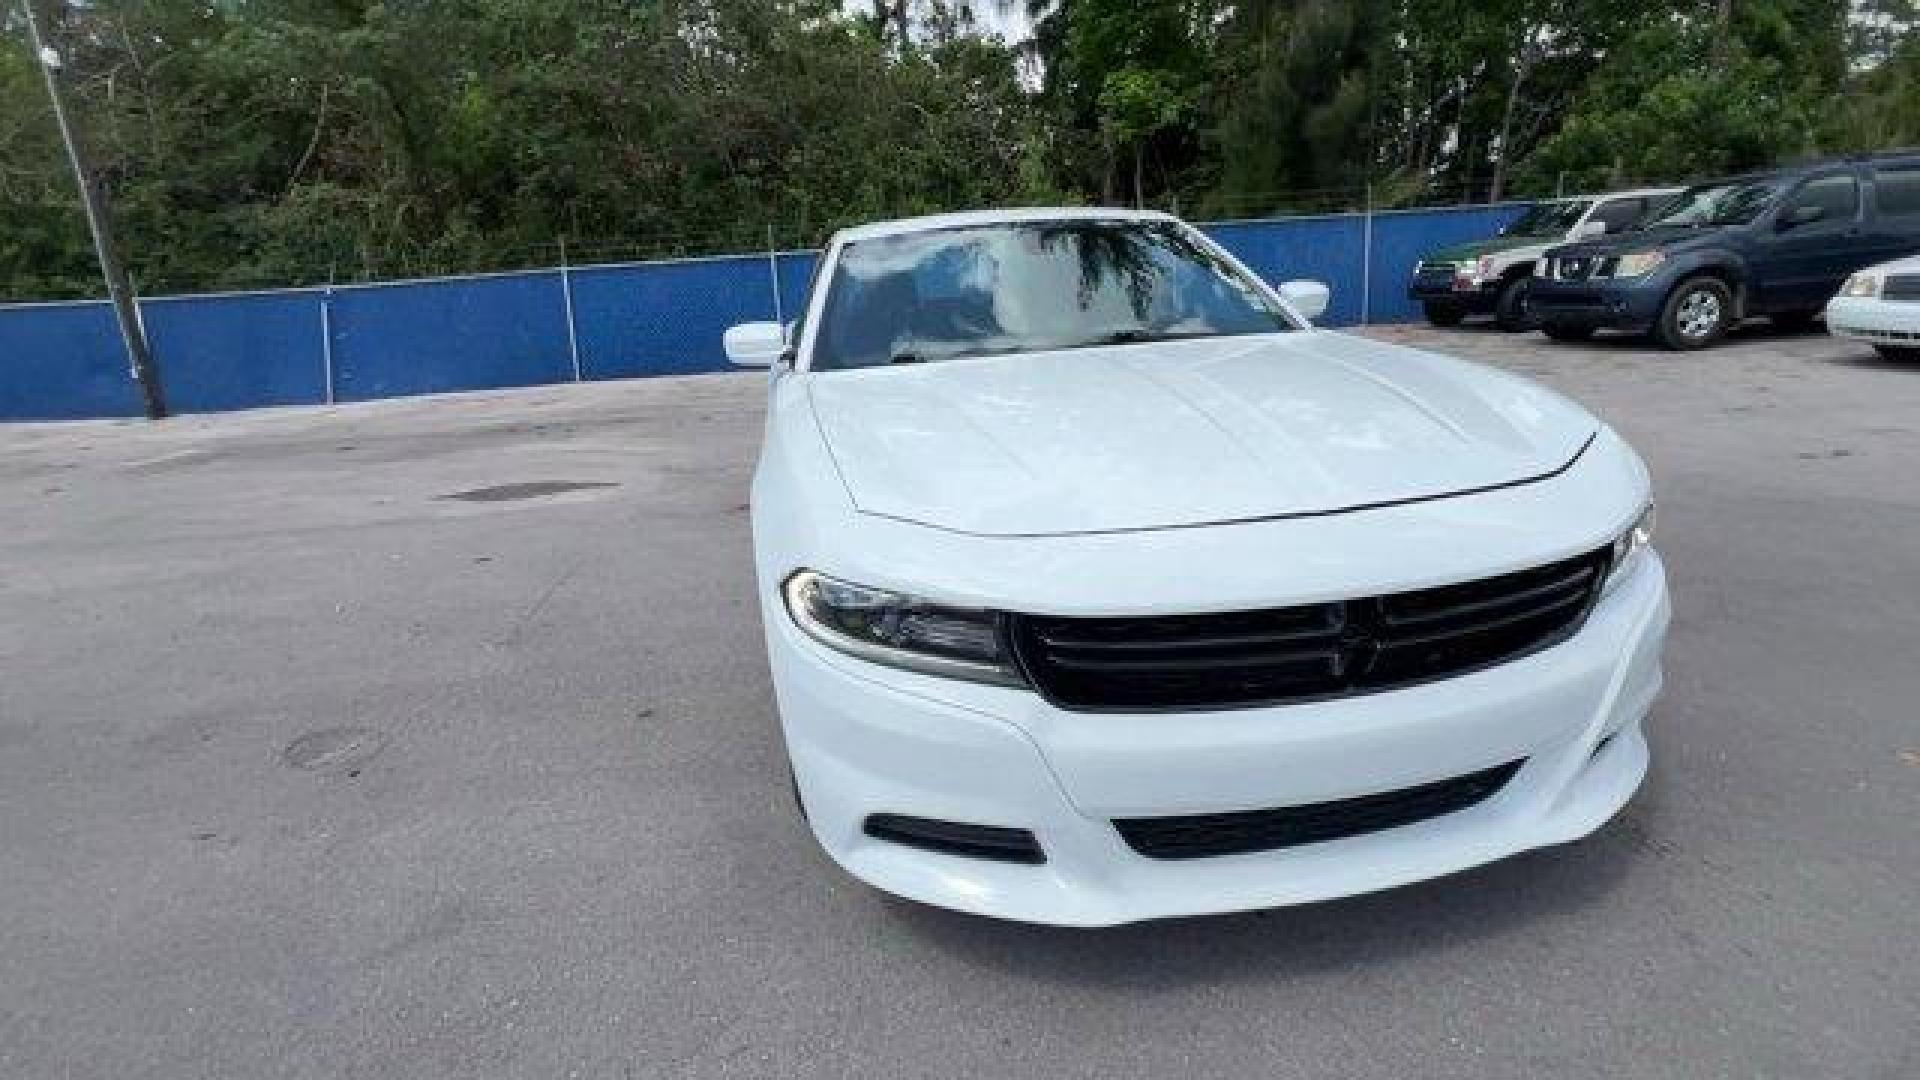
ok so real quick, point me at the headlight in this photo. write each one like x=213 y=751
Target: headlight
x=1861 y=284
x=1638 y=263
x=1631 y=546
x=901 y=631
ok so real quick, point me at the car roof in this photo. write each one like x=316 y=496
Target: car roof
x=1796 y=169
x=1011 y=215
x=1629 y=193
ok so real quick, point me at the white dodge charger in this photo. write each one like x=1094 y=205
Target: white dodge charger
x=1100 y=586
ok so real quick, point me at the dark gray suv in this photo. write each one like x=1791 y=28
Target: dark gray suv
x=1776 y=244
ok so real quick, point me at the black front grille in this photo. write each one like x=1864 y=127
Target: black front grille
x=1200 y=836
x=1574 y=267
x=1280 y=655
x=1901 y=287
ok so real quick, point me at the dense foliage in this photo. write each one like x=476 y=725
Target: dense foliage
x=250 y=142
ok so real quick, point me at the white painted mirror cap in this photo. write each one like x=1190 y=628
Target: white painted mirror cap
x=754 y=344
x=1309 y=298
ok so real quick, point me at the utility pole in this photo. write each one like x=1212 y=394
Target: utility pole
x=119 y=290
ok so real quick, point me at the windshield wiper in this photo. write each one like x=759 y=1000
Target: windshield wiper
x=906 y=357
x=1135 y=335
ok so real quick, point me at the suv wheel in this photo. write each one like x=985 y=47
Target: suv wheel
x=1566 y=331
x=1696 y=315
x=1899 y=354
x=1511 y=313
x=1443 y=314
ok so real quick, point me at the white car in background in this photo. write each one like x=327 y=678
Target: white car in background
x=1881 y=306
x=1099 y=586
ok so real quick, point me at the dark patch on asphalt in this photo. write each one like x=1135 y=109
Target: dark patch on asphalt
x=534 y=489
x=339 y=749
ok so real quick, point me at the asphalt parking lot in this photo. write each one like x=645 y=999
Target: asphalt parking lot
x=433 y=738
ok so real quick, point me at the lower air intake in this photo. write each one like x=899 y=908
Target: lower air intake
x=1202 y=836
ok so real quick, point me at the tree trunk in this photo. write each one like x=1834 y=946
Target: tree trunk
x=1107 y=195
x=1139 y=173
x=1722 y=33
x=1522 y=64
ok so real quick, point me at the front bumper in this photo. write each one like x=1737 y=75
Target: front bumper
x=1449 y=291
x=872 y=740
x=1630 y=305
x=1882 y=322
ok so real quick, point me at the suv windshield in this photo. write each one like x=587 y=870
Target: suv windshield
x=1548 y=218
x=1734 y=202
x=1031 y=286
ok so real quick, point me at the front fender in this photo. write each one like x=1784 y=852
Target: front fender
x=1720 y=261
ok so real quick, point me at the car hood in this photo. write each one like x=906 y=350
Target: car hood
x=1172 y=434
x=1494 y=245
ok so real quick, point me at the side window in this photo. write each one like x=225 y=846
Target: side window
x=1838 y=197
x=1896 y=191
x=1620 y=214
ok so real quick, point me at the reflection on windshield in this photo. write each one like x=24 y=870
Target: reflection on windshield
x=1717 y=204
x=1026 y=287
x=1547 y=219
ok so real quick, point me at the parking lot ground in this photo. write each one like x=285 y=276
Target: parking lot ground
x=310 y=768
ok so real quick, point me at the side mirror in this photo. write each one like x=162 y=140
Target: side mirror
x=754 y=344
x=1589 y=229
x=1309 y=298
x=1802 y=215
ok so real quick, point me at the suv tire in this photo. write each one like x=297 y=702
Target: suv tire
x=1899 y=354
x=1443 y=314
x=1696 y=314
x=1510 y=311
x=1566 y=331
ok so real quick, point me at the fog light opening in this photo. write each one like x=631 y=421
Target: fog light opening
x=957 y=838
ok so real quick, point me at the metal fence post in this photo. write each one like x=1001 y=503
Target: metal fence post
x=773 y=275
x=566 y=291
x=1366 y=262
x=326 y=335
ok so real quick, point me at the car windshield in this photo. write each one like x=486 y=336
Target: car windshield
x=1548 y=218
x=1731 y=203
x=1030 y=286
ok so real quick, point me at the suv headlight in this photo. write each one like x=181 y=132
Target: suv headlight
x=1861 y=284
x=901 y=631
x=1638 y=263
x=1630 y=547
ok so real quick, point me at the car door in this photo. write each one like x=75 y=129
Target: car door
x=1812 y=242
x=1894 y=225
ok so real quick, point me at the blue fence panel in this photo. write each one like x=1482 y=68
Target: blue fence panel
x=430 y=337
x=1401 y=237
x=666 y=318
x=796 y=276
x=238 y=352
x=1328 y=249
x=64 y=362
